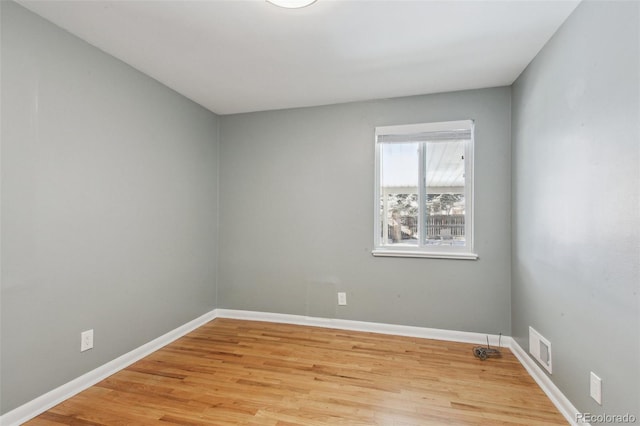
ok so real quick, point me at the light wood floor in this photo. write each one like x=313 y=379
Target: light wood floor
x=256 y=373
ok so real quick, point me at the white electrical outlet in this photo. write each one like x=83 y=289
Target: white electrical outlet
x=595 y=388
x=342 y=298
x=86 y=340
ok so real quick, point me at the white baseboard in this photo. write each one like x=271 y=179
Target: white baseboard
x=371 y=327
x=561 y=402
x=50 y=399
x=41 y=404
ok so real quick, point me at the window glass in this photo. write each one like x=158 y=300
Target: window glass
x=445 y=188
x=399 y=193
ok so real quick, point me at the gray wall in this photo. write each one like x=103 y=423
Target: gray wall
x=296 y=219
x=576 y=186
x=109 y=207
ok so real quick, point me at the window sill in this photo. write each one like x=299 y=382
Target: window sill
x=422 y=254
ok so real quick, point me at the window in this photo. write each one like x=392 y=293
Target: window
x=424 y=190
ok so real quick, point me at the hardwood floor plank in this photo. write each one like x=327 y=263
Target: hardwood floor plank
x=233 y=372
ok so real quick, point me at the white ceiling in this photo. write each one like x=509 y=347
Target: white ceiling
x=249 y=55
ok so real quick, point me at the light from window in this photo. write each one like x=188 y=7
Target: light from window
x=424 y=190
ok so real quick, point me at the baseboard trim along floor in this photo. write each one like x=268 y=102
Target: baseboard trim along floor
x=43 y=403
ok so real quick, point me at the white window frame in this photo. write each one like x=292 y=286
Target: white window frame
x=423 y=250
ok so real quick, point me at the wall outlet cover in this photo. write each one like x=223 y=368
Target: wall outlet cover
x=595 y=387
x=342 y=298
x=86 y=340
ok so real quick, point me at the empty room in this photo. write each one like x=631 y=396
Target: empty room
x=298 y=212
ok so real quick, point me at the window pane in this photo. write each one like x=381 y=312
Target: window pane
x=445 y=203
x=399 y=193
